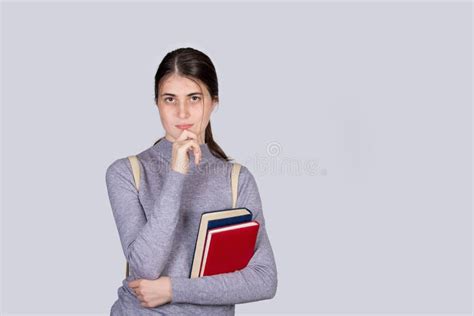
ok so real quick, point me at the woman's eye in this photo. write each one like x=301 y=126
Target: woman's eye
x=194 y=98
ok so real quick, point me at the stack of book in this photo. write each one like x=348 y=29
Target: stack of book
x=225 y=242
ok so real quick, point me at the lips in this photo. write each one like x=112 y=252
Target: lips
x=184 y=126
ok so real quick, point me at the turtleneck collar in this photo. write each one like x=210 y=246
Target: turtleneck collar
x=164 y=148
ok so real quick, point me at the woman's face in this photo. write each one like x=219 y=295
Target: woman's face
x=180 y=101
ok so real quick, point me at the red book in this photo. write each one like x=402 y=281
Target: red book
x=229 y=248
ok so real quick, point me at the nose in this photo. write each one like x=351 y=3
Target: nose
x=183 y=111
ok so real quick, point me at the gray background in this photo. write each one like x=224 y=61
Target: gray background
x=355 y=119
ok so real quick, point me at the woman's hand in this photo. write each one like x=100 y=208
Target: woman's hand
x=185 y=142
x=152 y=293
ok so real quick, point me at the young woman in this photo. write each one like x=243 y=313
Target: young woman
x=184 y=174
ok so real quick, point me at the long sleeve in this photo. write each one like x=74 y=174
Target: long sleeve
x=257 y=281
x=146 y=244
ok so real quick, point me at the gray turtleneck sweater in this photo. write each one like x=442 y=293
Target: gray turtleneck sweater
x=158 y=225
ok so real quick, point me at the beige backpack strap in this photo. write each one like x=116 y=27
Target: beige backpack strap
x=135 y=169
x=136 y=178
x=235 y=182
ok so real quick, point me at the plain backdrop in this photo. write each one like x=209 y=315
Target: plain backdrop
x=354 y=117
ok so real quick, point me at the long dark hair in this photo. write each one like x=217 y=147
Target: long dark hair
x=193 y=64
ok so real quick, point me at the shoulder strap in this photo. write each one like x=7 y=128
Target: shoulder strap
x=235 y=182
x=136 y=178
x=135 y=169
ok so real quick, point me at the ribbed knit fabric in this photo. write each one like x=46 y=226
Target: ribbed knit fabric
x=158 y=227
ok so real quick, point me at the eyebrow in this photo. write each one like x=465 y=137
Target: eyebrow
x=173 y=95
